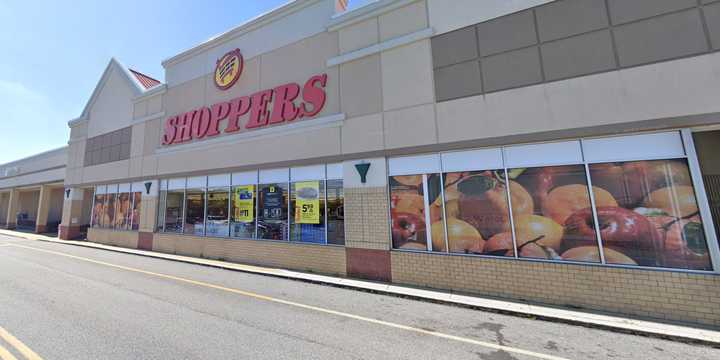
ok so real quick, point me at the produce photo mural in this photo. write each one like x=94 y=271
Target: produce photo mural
x=542 y=203
x=656 y=221
x=646 y=211
x=478 y=213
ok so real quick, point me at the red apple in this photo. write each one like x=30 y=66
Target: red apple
x=405 y=227
x=621 y=229
x=483 y=203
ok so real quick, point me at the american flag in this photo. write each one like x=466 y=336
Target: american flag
x=340 y=5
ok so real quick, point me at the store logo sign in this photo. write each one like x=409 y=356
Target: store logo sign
x=284 y=103
x=228 y=69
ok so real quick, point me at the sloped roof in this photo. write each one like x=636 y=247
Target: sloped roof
x=145 y=80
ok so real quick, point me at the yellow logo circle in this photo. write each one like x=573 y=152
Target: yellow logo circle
x=228 y=69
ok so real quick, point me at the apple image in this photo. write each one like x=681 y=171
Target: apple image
x=538 y=229
x=563 y=201
x=405 y=227
x=592 y=254
x=409 y=180
x=537 y=251
x=408 y=202
x=621 y=229
x=678 y=200
x=540 y=181
x=414 y=245
x=462 y=237
x=683 y=242
x=630 y=182
x=483 y=203
x=452 y=209
x=500 y=245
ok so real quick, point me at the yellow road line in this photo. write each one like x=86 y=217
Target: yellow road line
x=5 y=354
x=18 y=345
x=308 y=307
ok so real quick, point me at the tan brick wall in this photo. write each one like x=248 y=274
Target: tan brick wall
x=673 y=296
x=126 y=239
x=304 y=257
x=148 y=214
x=366 y=218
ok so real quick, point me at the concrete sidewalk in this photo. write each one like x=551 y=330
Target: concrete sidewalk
x=583 y=318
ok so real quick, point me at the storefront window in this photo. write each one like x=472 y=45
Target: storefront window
x=195 y=212
x=98 y=212
x=478 y=214
x=552 y=213
x=242 y=220
x=273 y=211
x=174 y=206
x=217 y=211
x=335 y=213
x=108 y=219
x=122 y=211
x=162 y=205
x=407 y=208
x=706 y=146
x=655 y=219
x=137 y=202
x=234 y=206
x=307 y=211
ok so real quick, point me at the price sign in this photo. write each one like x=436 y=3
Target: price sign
x=244 y=203
x=307 y=202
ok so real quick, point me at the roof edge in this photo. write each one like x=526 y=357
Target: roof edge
x=46 y=152
x=252 y=24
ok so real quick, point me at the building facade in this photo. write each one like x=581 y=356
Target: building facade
x=557 y=152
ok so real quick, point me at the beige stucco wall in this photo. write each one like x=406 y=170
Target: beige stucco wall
x=113 y=107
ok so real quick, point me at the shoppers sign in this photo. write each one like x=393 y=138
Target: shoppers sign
x=281 y=104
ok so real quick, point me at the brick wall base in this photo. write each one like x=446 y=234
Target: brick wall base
x=40 y=229
x=121 y=238
x=296 y=256
x=145 y=240
x=369 y=264
x=691 y=298
x=71 y=232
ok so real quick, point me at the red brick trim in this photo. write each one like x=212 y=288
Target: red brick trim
x=369 y=264
x=40 y=229
x=70 y=232
x=145 y=240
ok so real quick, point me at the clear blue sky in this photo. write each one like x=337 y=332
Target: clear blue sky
x=52 y=54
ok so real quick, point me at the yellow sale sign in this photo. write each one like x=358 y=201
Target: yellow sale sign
x=307 y=202
x=244 y=206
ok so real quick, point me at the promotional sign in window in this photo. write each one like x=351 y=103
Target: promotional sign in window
x=272 y=203
x=307 y=205
x=244 y=203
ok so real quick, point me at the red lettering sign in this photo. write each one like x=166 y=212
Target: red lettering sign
x=273 y=106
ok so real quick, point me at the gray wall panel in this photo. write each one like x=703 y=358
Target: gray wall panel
x=511 y=69
x=458 y=80
x=712 y=18
x=622 y=11
x=570 y=17
x=454 y=47
x=507 y=33
x=576 y=39
x=660 y=38
x=585 y=54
